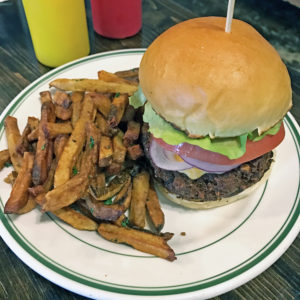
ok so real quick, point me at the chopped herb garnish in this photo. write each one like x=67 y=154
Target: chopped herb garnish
x=92 y=210
x=108 y=202
x=43 y=147
x=125 y=222
x=117 y=95
x=92 y=142
x=74 y=170
x=7 y=164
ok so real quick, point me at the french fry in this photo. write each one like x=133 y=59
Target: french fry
x=154 y=210
x=76 y=99
x=75 y=143
x=18 y=196
x=140 y=240
x=102 y=103
x=114 y=169
x=123 y=192
x=140 y=188
x=52 y=130
x=47 y=113
x=59 y=145
x=13 y=139
x=34 y=132
x=41 y=161
x=4 y=158
x=62 y=104
x=114 y=187
x=105 y=152
x=98 y=181
x=62 y=99
x=49 y=157
x=126 y=199
x=122 y=220
x=119 y=104
x=132 y=133
x=32 y=123
x=109 y=212
x=33 y=135
x=65 y=194
x=110 y=77
x=48 y=184
x=128 y=114
x=39 y=199
x=104 y=212
x=90 y=156
x=119 y=149
x=135 y=152
x=45 y=96
x=92 y=141
x=93 y=85
x=29 y=206
x=75 y=219
x=83 y=208
x=11 y=178
x=103 y=125
x=36 y=190
x=76 y=168
x=131 y=75
x=166 y=235
x=63 y=113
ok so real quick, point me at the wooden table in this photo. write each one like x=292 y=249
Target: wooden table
x=278 y=21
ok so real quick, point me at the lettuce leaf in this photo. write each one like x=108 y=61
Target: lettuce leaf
x=138 y=99
x=253 y=136
x=233 y=147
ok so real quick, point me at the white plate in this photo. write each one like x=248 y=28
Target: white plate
x=222 y=249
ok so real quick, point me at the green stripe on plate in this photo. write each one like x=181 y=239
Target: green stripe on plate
x=136 y=290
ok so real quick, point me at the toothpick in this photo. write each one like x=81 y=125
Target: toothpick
x=230 y=10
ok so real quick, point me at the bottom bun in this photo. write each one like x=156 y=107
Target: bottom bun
x=216 y=203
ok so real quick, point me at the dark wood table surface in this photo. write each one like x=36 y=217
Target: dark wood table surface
x=278 y=21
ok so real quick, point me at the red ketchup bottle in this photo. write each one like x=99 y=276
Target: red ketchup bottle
x=117 y=19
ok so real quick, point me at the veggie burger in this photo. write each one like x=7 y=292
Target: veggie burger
x=214 y=110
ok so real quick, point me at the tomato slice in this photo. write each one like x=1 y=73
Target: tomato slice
x=253 y=149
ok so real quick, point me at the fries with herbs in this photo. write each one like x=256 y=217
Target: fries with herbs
x=76 y=163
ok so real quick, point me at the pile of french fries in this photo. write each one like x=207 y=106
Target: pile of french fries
x=81 y=161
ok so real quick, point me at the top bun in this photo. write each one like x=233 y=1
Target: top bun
x=208 y=82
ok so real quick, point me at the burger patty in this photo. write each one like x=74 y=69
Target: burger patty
x=209 y=187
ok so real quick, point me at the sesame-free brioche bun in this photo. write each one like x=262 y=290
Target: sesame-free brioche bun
x=208 y=82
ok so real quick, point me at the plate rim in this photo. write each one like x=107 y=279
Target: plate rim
x=289 y=233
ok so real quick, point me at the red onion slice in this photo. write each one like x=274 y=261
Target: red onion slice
x=165 y=159
x=208 y=167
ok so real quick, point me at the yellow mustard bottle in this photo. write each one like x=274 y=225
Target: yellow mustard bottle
x=58 y=30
